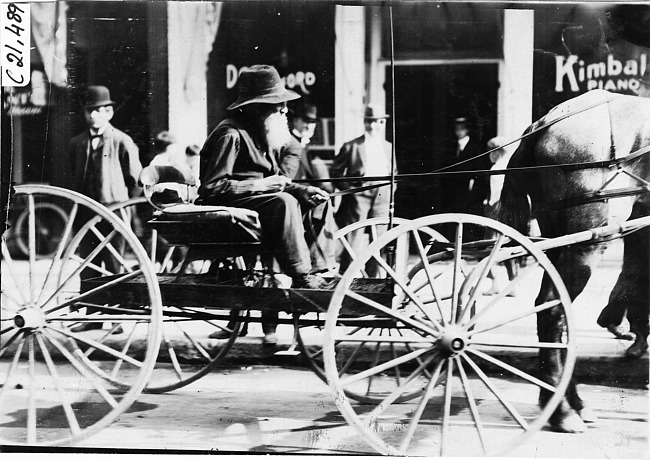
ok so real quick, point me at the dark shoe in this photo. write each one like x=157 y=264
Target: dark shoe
x=117 y=330
x=638 y=348
x=86 y=327
x=270 y=339
x=619 y=332
x=221 y=334
x=309 y=281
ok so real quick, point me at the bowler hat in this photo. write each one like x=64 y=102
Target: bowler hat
x=374 y=113
x=307 y=112
x=261 y=84
x=97 y=96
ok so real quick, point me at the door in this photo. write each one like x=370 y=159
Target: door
x=427 y=100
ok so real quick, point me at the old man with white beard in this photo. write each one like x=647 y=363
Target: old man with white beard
x=239 y=168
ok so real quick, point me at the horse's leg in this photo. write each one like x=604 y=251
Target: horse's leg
x=636 y=275
x=575 y=267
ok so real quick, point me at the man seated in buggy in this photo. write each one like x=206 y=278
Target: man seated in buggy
x=239 y=168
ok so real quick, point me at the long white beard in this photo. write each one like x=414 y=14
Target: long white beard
x=276 y=131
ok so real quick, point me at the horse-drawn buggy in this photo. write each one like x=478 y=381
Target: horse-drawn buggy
x=426 y=356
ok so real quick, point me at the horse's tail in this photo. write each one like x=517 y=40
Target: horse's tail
x=514 y=206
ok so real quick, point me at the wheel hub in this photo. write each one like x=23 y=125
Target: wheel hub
x=454 y=340
x=30 y=318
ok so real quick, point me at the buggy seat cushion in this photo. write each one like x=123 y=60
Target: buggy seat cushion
x=194 y=224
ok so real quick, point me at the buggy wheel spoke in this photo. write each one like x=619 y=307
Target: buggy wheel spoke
x=484 y=271
x=194 y=343
x=455 y=286
x=95 y=291
x=10 y=340
x=31 y=225
x=78 y=270
x=12 y=369
x=415 y=418
x=495 y=391
x=427 y=268
x=31 y=401
x=503 y=293
x=80 y=366
x=513 y=370
x=407 y=290
x=67 y=409
x=523 y=314
x=397 y=392
x=447 y=408
x=471 y=402
x=380 y=368
x=114 y=252
x=96 y=344
x=392 y=313
x=60 y=248
x=125 y=349
x=9 y=274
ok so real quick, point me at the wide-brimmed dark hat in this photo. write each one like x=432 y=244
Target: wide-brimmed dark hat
x=97 y=96
x=261 y=84
x=307 y=112
x=373 y=112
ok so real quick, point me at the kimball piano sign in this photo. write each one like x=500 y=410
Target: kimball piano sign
x=611 y=74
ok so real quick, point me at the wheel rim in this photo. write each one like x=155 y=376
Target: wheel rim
x=311 y=345
x=51 y=393
x=450 y=352
x=186 y=351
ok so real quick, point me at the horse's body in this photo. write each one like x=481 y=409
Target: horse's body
x=593 y=131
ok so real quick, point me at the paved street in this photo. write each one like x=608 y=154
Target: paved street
x=274 y=409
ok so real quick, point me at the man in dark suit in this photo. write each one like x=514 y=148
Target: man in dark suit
x=105 y=167
x=466 y=193
x=366 y=156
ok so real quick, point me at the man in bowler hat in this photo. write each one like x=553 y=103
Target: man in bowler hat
x=366 y=156
x=105 y=167
x=239 y=168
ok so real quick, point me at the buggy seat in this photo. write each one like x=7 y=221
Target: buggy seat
x=220 y=230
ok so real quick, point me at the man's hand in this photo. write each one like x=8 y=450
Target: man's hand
x=315 y=196
x=272 y=184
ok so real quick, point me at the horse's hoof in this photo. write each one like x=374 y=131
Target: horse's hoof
x=588 y=415
x=638 y=348
x=571 y=423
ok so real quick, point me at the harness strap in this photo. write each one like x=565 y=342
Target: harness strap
x=592 y=197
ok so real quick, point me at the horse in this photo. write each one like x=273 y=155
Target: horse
x=600 y=130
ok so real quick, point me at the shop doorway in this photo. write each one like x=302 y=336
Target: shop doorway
x=427 y=100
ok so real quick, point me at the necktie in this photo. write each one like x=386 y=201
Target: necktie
x=94 y=140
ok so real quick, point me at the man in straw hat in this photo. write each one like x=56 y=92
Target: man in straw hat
x=239 y=168
x=105 y=167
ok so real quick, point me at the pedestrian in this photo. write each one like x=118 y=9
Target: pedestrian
x=499 y=158
x=167 y=152
x=239 y=168
x=369 y=155
x=105 y=167
x=463 y=193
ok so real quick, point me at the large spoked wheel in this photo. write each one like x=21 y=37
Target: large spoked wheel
x=468 y=348
x=186 y=351
x=52 y=393
x=309 y=327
